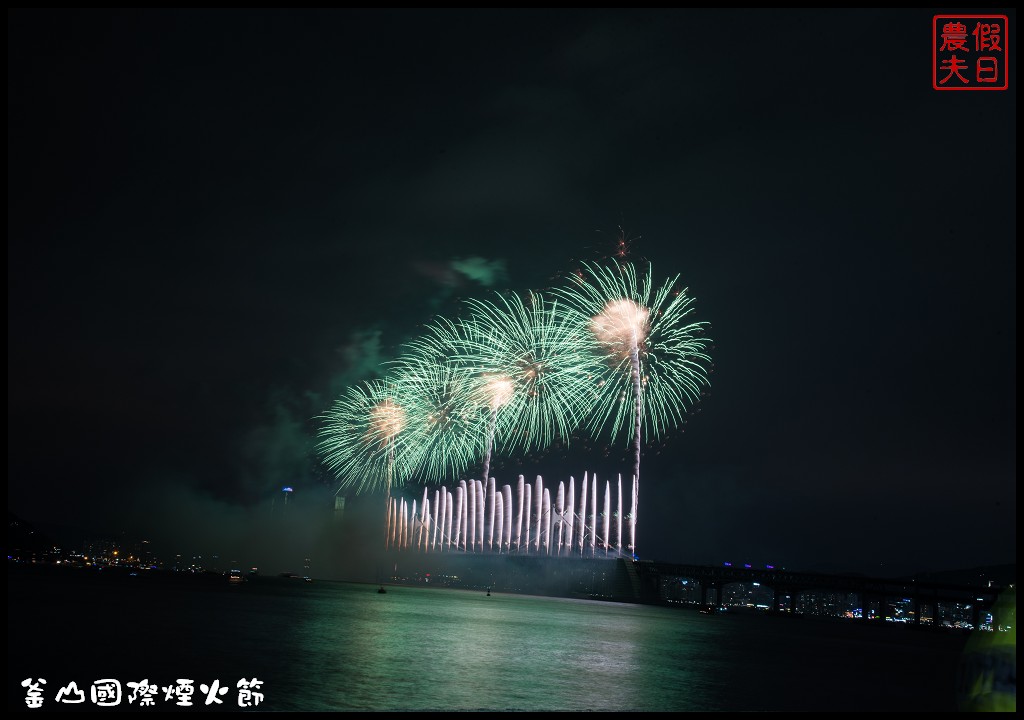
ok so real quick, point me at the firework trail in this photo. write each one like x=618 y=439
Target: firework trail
x=655 y=357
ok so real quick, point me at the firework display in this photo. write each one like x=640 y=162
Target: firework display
x=530 y=370
x=545 y=359
x=500 y=525
x=655 y=357
x=610 y=352
x=445 y=406
x=363 y=439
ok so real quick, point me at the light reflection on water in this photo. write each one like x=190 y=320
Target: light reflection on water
x=419 y=649
x=340 y=646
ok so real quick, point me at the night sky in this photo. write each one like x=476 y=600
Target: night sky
x=218 y=220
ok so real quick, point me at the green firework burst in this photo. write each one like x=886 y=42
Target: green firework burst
x=655 y=355
x=364 y=438
x=547 y=360
x=444 y=408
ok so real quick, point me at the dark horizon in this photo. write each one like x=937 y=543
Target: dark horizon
x=365 y=567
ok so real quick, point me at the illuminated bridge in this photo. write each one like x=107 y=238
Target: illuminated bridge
x=651 y=582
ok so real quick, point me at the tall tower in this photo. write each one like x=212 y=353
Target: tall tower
x=285 y=491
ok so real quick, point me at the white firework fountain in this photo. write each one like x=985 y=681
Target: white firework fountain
x=481 y=518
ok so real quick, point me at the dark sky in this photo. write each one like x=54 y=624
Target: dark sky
x=219 y=219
